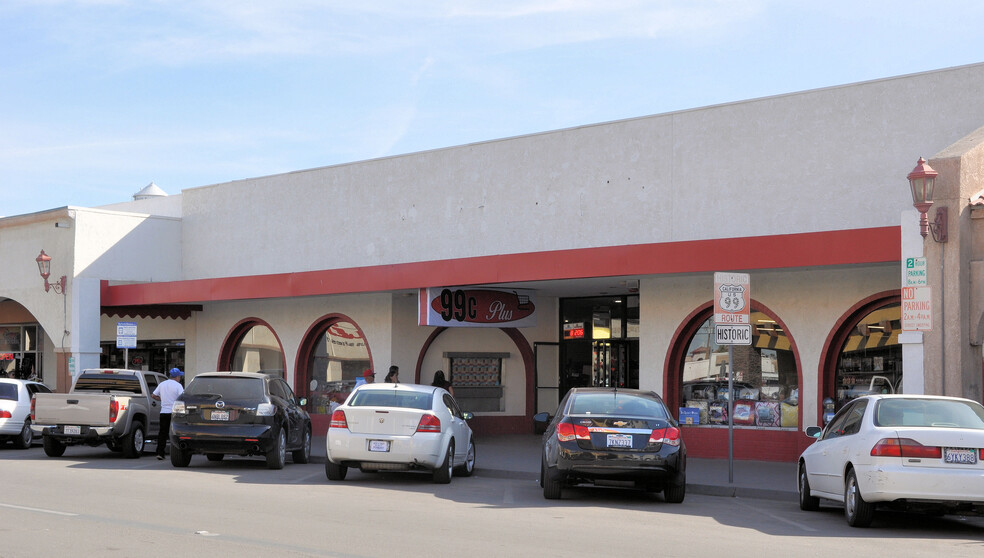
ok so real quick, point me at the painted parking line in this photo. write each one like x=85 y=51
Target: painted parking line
x=777 y=517
x=39 y=510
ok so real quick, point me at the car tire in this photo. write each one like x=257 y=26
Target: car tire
x=180 y=457
x=133 y=443
x=53 y=447
x=551 y=487
x=303 y=454
x=214 y=456
x=857 y=512
x=442 y=474
x=468 y=467
x=676 y=489
x=276 y=457
x=335 y=472
x=26 y=436
x=807 y=501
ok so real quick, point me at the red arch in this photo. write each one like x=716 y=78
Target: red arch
x=687 y=329
x=235 y=335
x=838 y=336
x=496 y=425
x=306 y=349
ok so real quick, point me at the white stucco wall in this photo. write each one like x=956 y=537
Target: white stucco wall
x=833 y=158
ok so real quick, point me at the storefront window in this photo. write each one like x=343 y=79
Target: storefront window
x=871 y=359
x=20 y=352
x=258 y=350
x=766 y=381
x=339 y=358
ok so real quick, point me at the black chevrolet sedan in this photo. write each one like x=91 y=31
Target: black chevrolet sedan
x=617 y=435
x=239 y=413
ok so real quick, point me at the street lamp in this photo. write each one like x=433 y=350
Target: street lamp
x=44 y=267
x=922 y=181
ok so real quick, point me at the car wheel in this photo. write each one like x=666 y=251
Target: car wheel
x=303 y=455
x=676 y=489
x=468 y=467
x=442 y=475
x=277 y=456
x=26 y=436
x=335 y=472
x=133 y=443
x=807 y=501
x=53 y=447
x=214 y=456
x=551 y=487
x=858 y=512
x=180 y=457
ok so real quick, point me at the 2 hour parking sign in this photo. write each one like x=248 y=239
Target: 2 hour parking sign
x=732 y=305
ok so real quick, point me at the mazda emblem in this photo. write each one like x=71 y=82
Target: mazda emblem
x=220 y=404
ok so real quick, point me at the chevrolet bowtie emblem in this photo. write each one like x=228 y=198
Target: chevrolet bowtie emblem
x=620 y=423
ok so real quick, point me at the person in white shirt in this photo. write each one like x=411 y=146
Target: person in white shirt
x=166 y=393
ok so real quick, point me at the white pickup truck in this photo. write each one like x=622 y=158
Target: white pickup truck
x=105 y=406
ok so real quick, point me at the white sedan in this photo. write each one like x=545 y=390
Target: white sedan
x=15 y=410
x=906 y=452
x=400 y=427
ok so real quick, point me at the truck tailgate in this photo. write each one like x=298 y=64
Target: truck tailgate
x=72 y=408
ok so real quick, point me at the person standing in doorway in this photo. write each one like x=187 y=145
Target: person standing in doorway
x=166 y=393
x=393 y=377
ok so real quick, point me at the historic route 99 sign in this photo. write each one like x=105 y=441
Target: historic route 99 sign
x=732 y=309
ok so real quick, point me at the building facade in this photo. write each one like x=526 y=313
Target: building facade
x=525 y=266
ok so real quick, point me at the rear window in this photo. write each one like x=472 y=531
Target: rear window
x=616 y=404
x=107 y=382
x=8 y=391
x=404 y=399
x=930 y=412
x=232 y=387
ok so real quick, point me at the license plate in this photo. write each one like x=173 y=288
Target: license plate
x=620 y=440
x=960 y=455
x=379 y=445
x=219 y=415
x=73 y=430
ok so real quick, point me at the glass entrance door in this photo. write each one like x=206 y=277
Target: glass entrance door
x=610 y=364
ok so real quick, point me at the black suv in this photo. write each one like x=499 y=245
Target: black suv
x=239 y=413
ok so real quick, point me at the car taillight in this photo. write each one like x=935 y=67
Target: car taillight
x=567 y=431
x=338 y=420
x=429 y=423
x=6 y=414
x=114 y=410
x=32 y=409
x=905 y=447
x=669 y=436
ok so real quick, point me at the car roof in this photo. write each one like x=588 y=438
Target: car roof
x=613 y=390
x=230 y=374
x=879 y=396
x=18 y=381
x=419 y=388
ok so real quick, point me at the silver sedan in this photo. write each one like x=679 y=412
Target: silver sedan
x=400 y=427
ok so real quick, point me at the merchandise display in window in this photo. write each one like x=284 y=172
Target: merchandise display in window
x=870 y=361
x=765 y=387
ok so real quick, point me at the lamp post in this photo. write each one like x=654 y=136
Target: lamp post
x=922 y=182
x=44 y=267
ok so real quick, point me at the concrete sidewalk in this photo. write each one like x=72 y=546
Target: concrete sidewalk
x=517 y=456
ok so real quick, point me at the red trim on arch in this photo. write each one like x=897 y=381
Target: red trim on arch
x=838 y=336
x=842 y=247
x=235 y=336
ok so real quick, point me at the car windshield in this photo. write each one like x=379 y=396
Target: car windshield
x=930 y=412
x=387 y=398
x=616 y=404
x=107 y=382
x=231 y=387
x=8 y=391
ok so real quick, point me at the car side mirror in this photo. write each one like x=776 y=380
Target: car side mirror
x=541 y=417
x=813 y=431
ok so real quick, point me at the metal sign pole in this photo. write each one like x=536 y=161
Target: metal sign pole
x=731 y=413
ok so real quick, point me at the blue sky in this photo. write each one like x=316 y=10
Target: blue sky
x=100 y=97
